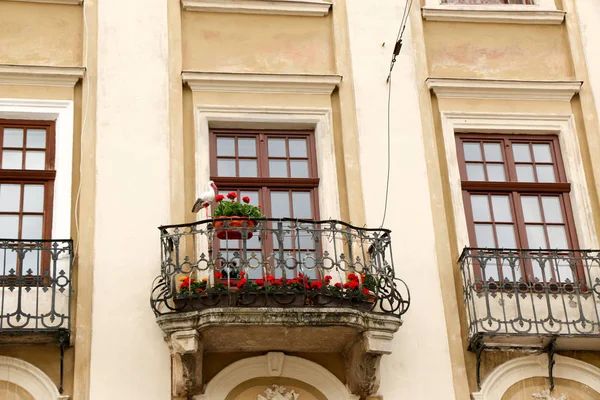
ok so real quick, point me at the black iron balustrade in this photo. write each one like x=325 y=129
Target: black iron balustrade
x=35 y=287
x=276 y=263
x=546 y=293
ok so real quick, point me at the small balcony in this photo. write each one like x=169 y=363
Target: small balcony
x=35 y=291
x=532 y=298
x=287 y=285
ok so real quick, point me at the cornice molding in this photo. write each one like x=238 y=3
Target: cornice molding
x=506 y=16
x=69 y=2
x=503 y=89
x=305 y=8
x=34 y=75
x=261 y=83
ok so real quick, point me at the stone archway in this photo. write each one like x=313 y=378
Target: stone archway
x=30 y=378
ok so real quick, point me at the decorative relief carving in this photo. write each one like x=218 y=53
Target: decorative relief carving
x=277 y=392
x=546 y=395
x=186 y=363
x=362 y=370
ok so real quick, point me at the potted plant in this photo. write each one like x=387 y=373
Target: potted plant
x=273 y=292
x=323 y=294
x=198 y=294
x=233 y=216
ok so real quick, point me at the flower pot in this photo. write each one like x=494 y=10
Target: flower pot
x=203 y=301
x=366 y=304
x=233 y=222
x=288 y=299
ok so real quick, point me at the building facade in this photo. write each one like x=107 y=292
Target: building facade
x=115 y=116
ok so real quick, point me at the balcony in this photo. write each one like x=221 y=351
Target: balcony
x=532 y=298
x=277 y=285
x=35 y=291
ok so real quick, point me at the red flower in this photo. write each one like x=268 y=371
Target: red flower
x=366 y=291
x=352 y=277
x=353 y=285
x=199 y=289
x=246 y=199
x=328 y=279
x=242 y=274
x=241 y=283
x=316 y=285
x=218 y=275
x=231 y=196
x=270 y=278
x=346 y=285
x=259 y=207
x=219 y=198
x=338 y=285
x=260 y=282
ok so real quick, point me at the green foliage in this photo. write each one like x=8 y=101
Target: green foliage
x=228 y=208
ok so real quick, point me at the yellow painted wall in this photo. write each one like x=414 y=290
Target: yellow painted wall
x=498 y=51
x=10 y=391
x=40 y=34
x=256 y=43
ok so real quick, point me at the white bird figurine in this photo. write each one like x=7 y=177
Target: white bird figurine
x=205 y=199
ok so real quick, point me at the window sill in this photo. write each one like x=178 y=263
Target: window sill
x=305 y=8
x=502 y=14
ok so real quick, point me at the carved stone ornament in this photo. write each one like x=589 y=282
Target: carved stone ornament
x=546 y=395
x=186 y=363
x=277 y=392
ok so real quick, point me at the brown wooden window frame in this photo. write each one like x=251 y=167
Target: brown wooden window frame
x=45 y=177
x=263 y=183
x=514 y=189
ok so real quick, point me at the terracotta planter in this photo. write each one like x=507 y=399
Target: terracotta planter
x=202 y=302
x=233 y=222
x=285 y=300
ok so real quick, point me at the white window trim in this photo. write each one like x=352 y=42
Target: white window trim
x=541 y=12
x=319 y=119
x=60 y=111
x=276 y=365
x=306 y=8
x=30 y=378
x=530 y=124
x=506 y=375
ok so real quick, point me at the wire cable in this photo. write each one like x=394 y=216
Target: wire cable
x=397 y=49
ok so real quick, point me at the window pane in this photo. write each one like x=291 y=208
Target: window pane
x=495 y=172
x=226 y=167
x=10 y=197
x=31 y=263
x=280 y=204
x=535 y=237
x=552 y=209
x=557 y=237
x=32 y=227
x=525 y=173
x=484 y=235
x=13 y=137
x=36 y=138
x=299 y=168
x=501 y=206
x=9 y=226
x=12 y=159
x=225 y=146
x=301 y=204
x=506 y=236
x=545 y=173
x=278 y=169
x=475 y=172
x=541 y=153
x=472 y=151
x=277 y=148
x=521 y=152
x=247 y=147
x=531 y=209
x=253 y=196
x=33 y=199
x=481 y=208
x=35 y=160
x=298 y=148
x=248 y=168
x=493 y=151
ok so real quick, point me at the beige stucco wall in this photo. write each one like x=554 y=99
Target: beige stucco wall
x=129 y=358
x=525 y=389
x=40 y=34
x=232 y=43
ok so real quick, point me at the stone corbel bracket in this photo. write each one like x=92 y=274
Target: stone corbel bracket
x=362 y=359
x=186 y=362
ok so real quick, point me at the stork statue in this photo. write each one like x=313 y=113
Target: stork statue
x=205 y=199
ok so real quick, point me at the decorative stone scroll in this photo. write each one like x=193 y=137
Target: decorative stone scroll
x=546 y=395
x=186 y=363
x=277 y=392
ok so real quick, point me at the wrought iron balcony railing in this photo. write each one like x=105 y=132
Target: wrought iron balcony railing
x=276 y=263
x=520 y=293
x=35 y=286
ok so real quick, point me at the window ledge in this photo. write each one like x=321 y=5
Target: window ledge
x=35 y=75
x=278 y=7
x=261 y=83
x=69 y=2
x=503 y=89
x=515 y=14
